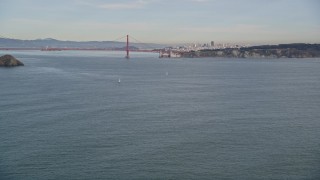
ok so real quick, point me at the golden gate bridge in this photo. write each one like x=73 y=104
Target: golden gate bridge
x=127 y=49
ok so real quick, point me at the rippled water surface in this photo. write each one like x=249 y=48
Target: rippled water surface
x=65 y=116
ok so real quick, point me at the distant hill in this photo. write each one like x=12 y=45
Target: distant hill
x=297 y=46
x=54 y=43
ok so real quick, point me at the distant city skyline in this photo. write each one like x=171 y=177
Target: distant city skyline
x=164 y=21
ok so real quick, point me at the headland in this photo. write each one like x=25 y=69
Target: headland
x=298 y=50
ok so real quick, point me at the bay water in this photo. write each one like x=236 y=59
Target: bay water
x=64 y=115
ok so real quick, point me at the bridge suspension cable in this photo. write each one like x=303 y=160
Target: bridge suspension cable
x=119 y=38
x=144 y=44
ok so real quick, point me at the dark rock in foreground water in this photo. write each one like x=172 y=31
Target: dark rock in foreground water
x=9 y=61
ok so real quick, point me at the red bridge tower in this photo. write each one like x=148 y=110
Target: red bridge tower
x=127 y=48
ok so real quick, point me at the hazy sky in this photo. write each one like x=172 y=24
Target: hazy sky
x=164 y=21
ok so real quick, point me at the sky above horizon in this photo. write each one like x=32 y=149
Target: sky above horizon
x=164 y=21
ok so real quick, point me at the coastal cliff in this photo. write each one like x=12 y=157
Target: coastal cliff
x=9 y=61
x=268 y=51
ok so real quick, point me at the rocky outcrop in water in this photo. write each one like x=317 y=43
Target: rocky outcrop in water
x=9 y=61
